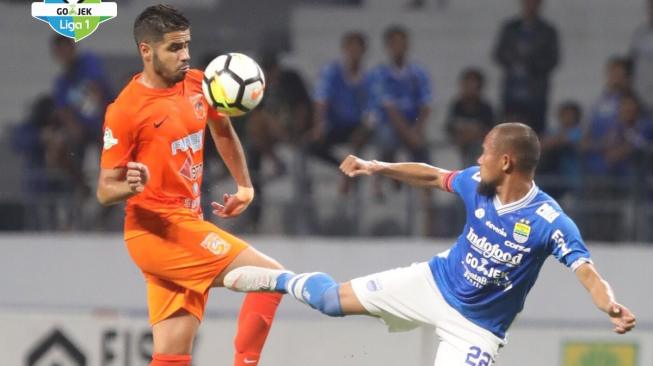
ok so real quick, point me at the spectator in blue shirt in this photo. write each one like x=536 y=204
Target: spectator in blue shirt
x=340 y=97
x=630 y=137
x=81 y=92
x=604 y=115
x=81 y=95
x=560 y=157
x=399 y=106
x=620 y=153
x=399 y=110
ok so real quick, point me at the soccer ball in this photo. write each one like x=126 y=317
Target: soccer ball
x=233 y=84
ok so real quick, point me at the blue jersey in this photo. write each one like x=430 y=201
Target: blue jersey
x=494 y=263
x=85 y=90
x=345 y=99
x=407 y=89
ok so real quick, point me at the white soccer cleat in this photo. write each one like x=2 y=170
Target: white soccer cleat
x=252 y=278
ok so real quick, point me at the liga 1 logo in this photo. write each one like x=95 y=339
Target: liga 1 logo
x=76 y=19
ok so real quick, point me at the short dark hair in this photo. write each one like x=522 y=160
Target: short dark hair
x=394 y=30
x=623 y=62
x=574 y=107
x=356 y=37
x=473 y=72
x=520 y=140
x=157 y=20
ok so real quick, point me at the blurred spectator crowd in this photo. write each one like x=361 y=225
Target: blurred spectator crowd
x=596 y=159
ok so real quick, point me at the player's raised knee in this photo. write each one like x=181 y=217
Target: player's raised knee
x=320 y=291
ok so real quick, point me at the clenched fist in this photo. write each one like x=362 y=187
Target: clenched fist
x=137 y=176
x=354 y=166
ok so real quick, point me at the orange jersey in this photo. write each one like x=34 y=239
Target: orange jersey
x=163 y=129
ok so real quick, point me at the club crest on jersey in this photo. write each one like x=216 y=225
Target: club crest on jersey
x=198 y=106
x=521 y=231
x=215 y=244
x=108 y=140
x=479 y=213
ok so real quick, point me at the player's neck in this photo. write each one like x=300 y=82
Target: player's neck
x=399 y=63
x=512 y=190
x=151 y=80
x=353 y=68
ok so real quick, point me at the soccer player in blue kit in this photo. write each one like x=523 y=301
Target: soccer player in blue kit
x=472 y=292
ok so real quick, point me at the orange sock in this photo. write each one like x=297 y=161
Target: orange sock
x=254 y=322
x=170 y=360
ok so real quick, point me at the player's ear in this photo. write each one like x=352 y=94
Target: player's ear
x=145 y=49
x=506 y=163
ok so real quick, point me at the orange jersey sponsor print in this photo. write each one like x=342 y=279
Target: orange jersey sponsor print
x=163 y=129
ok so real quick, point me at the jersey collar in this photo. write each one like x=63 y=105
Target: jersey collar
x=514 y=206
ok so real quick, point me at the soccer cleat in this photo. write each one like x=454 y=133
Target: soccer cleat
x=252 y=278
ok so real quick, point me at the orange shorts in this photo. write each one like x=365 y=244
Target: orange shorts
x=180 y=265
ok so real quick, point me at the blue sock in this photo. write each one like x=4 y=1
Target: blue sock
x=318 y=290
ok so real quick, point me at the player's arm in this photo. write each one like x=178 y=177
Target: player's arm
x=603 y=297
x=117 y=185
x=319 y=118
x=230 y=149
x=417 y=174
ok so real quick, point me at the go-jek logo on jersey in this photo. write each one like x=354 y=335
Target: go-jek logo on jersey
x=76 y=19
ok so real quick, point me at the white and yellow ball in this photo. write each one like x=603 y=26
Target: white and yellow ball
x=233 y=84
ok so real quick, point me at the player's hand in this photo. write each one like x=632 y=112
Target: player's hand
x=137 y=176
x=622 y=318
x=354 y=166
x=234 y=204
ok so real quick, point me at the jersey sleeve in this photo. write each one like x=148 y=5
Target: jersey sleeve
x=464 y=182
x=566 y=243
x=117 y=140
x=324 y=87
x=424 y=90
x=214 y=115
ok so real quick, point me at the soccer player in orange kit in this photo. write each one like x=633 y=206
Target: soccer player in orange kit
x=152 y=158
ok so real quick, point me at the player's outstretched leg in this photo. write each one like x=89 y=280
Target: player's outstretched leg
x=318 y=290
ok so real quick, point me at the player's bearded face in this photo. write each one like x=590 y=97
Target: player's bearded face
x=490 y=168
x=171 y=57
x=486 y=188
